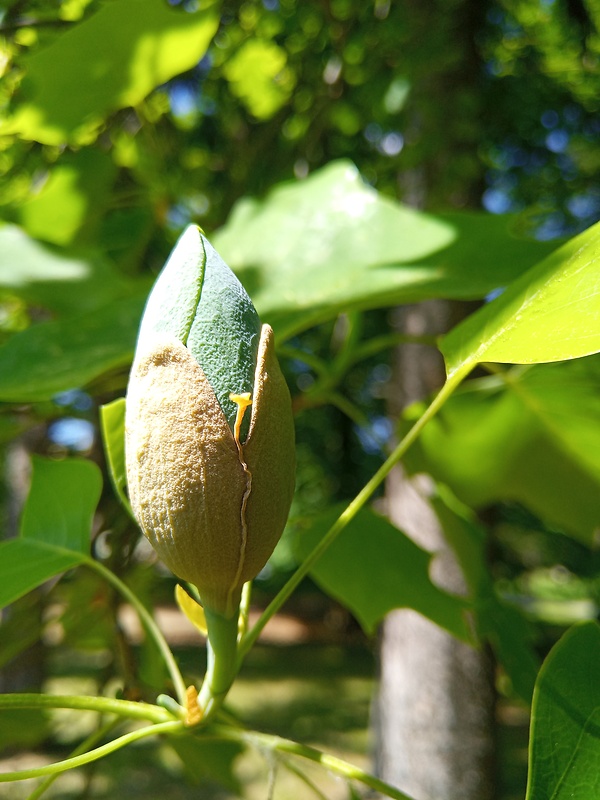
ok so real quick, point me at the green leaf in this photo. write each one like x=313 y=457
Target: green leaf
x=55 y=527
x=25 y=565
x=130 y=48
x=530 y=435
x=44 y=276
x=565 y=720
x=331 y=243
x=112 y=424
x=58 y=355
x=372 y=568
x=259 y=76
x=550 y=313
x=75 y=192
x=61 y=503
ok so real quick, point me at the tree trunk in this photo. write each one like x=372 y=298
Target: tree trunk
x=434 y=710
x=25 y=670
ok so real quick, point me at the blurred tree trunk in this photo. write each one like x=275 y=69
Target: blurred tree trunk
x=22 y=668
x=434 y=713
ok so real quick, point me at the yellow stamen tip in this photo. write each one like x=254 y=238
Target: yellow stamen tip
x=243 y=401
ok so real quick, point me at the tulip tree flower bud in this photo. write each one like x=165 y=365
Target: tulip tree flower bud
x=209 y=430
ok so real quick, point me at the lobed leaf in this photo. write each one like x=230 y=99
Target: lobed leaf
x=372 y=568
x=332 y=243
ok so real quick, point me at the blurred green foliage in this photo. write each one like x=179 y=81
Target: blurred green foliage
x=119 y=127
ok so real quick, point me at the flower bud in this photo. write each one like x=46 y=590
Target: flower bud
x=209 y=429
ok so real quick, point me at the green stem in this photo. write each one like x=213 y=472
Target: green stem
x=302 y=777
x=222 y=665
x=148 y=622
x=91 y=740
x=105 y=705
x=318 y=365
x=278 y=744
x=350 y=512
x=373 y=346
x=93 y=755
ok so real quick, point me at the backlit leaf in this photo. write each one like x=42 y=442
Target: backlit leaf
x=44 y=276
x=551 y=313
x=130 y=47
x=331 y=243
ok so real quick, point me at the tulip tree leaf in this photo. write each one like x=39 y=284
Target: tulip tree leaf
x=565 y=720
x=55 y=526
x=112 y=422
x=58 y=355
x=372 y=568
x=530 y=436
x=331 y=243
x=550 y=313
x=131 y=47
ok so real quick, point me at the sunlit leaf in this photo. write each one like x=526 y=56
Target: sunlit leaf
x=75 y=193
x=331 y=243
x=259 y=76
x=55 y=526
x=44 y=276
x=372 y=568
x=565 y=720
x=530 y=436
x=551 y=313
x=130 y=48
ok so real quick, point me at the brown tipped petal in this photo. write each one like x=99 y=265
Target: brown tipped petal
x=186 y=481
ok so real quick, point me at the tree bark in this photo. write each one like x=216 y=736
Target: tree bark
x=434 y=712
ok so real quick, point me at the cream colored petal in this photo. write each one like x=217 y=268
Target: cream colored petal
x=186 y=482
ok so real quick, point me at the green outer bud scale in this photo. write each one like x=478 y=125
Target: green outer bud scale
x=211 y=496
